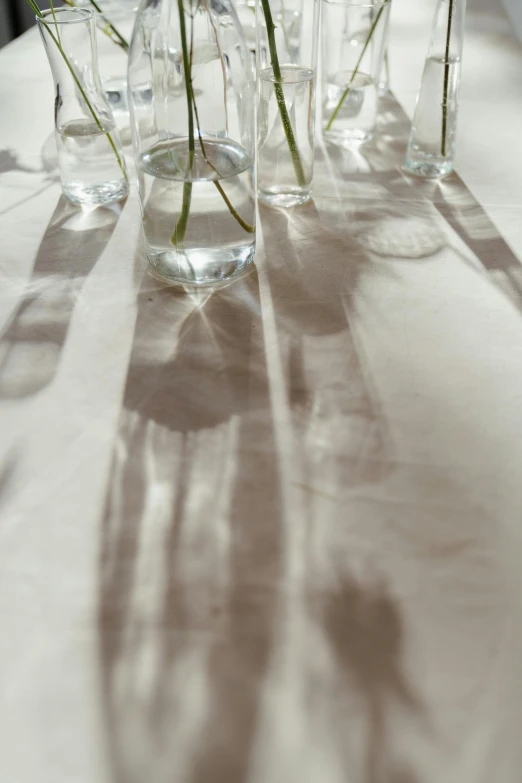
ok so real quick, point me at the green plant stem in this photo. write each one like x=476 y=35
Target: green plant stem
x=82 y=91
x=109 y=30
x=280 y=95
x=120 y=40
x=247 y=226
x=181 y=226
x=356 y=69
x=178 y=235
x=446 y=81
x=55 y=23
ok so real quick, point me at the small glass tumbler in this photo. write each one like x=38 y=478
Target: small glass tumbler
x=286 y=85
x=431 y=147
x=90 y=157
x=354 y=37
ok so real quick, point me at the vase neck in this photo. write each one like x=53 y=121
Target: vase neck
x=448 y=30
x=69 y=39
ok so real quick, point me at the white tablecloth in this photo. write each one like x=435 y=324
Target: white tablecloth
x=274 y=533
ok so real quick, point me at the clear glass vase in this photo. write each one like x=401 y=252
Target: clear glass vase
x=431 y=147
x=90 y=156
x=354 y=37
x=286 y=71
x=191 y=100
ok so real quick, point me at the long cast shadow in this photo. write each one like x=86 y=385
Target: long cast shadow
x=190 y=541
x=315 y=266
x=365 y=629
x=31 y=344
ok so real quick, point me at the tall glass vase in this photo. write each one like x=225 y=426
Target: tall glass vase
x=287 y=43
x=431 y=147
x=90 y=157
x=191 y=100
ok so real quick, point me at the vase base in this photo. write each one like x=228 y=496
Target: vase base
x=348 y=139
x=90 y=195
x=428 y=170
x=200 y=267
x=284 y=197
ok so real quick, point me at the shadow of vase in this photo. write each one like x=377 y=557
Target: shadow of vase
x=313 y=266
x=190 y=540
x=31 y=344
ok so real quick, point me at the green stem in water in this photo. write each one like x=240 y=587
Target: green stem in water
x=280 y=95
x=356 y=69
x=178 y=235
x=247 y=226
x=181 y=225
x=446 y=81
x=81 y=90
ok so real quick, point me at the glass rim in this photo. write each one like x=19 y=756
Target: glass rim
x=51 y=17
x=357 y=4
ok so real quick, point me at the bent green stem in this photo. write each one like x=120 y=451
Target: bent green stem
x=178 y=235
x=446 y=81
x=357 y=66
x=280 y=95
x=56 y=40
x=247 y=226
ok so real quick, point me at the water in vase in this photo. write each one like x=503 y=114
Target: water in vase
x=431 y=147
x=284 y=179
x=353 y=123
x=199 y=215
x=89 y=169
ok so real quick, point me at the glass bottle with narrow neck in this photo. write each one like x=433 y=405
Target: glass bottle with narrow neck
x=432 y=142
x=90 y=157
x=191 y=100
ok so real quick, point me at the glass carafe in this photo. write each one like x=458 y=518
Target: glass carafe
x=90 y=157
x=191 y=100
